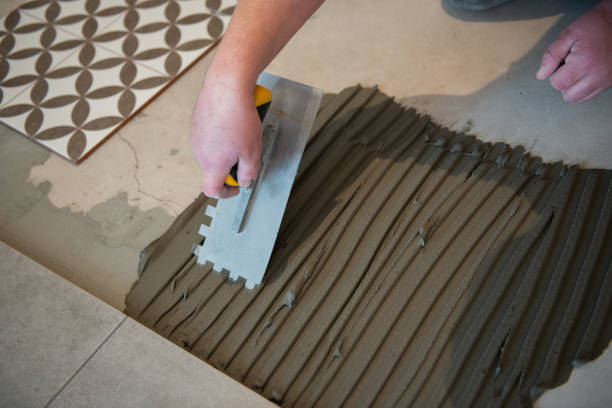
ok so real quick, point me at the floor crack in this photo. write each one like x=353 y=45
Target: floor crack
x=137 y=166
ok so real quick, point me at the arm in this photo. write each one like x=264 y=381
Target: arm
x=225 y=127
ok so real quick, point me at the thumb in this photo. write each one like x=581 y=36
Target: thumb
x=555 y=55
x=248 y=166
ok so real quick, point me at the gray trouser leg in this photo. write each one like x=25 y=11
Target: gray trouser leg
x=476 y=4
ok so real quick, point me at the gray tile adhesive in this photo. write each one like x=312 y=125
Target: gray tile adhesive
x=414 y=266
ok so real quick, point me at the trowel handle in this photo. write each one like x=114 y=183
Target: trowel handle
x=263 y=98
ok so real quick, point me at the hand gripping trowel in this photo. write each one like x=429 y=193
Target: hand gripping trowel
x=243 y=229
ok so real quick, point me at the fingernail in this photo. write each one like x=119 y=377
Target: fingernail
x=247 y=184
x=540 y=73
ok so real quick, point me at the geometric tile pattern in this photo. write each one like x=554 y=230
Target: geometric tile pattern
x=74 y=71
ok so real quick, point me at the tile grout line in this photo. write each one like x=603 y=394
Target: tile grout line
x=85 y=362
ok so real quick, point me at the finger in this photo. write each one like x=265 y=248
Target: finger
x=555 y=55
x=248 y=167
x=213 y=183
x=591 y=95
x=579 y=90
x=566 y=76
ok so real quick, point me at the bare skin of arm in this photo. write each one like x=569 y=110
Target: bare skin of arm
x=579 y=62
x=225 y=127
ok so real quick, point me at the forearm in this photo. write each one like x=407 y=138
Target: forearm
x=258 y=30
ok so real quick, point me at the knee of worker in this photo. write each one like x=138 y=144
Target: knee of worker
x=476 y=5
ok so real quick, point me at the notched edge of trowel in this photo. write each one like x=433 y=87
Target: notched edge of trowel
x=226 y=274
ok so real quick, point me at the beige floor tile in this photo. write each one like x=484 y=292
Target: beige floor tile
x=138 y=368
x=49 y=329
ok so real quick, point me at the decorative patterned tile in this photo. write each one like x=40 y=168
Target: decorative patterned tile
x=86 y=17
x=72 y=108
x=72 y=71
x=168 y=35
x=6 y=7
x=28 y=48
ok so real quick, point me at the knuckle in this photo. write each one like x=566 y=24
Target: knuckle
x=250 y=175
x=250 y=172
x=213 y=161
x=210 y=191
x=548 y=57
x=551 y=57
x=208 y=164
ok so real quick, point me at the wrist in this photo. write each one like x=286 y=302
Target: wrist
x=229 y=77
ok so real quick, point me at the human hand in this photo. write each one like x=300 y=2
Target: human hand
x=579 y=62
x=225 y=130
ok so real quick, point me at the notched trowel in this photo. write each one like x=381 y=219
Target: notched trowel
x=243 y=229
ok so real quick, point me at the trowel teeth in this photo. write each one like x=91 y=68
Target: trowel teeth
x=195 y=249
x=211 y=211
x=204 y=230
x=216 y=268
x=198 y=252
x=233 y=276
x=248 y=284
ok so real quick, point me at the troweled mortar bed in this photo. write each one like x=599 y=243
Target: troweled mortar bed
x=414 y=266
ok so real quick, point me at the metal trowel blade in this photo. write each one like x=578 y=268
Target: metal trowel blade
x=243 y=229
x=247 y=195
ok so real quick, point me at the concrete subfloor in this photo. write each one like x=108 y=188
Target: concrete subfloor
x=470 y=71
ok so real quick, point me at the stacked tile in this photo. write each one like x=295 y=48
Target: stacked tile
x=73 y=72
x=415 y=266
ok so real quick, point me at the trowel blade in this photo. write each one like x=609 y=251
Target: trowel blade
x=246 y=253
x=247 y=195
